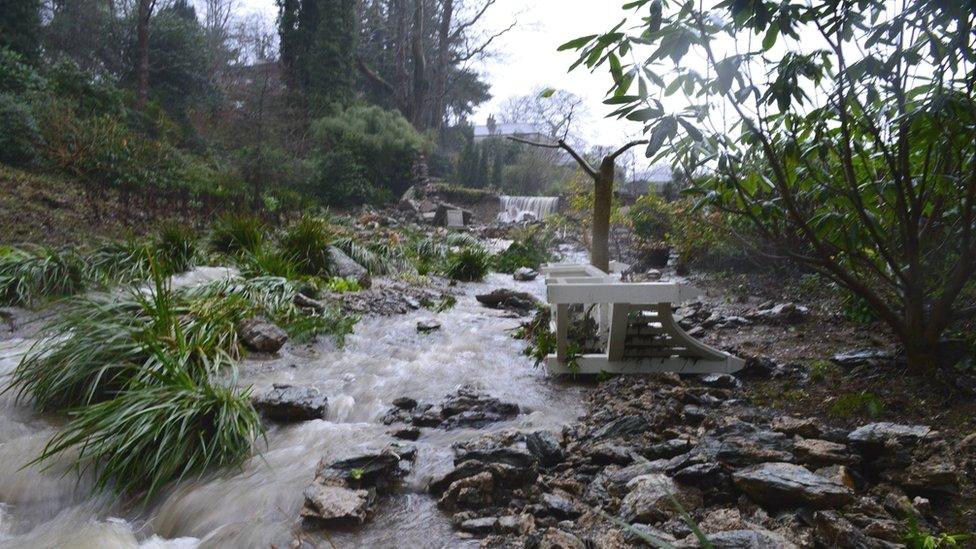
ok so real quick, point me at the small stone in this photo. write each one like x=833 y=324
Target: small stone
x=405 y=403
x=525 y=274
x=480 y=526
x=288 y=403
x=806 y=428
x=609 y=453
x=626 y=425
x=818 y=453
x=876 y=435
x=560 y=506
x=327 y=505
x=260 y=334
x=649 y=499
x=428 y=326
x=407 y=433
x=722 y=381
x=559 y=539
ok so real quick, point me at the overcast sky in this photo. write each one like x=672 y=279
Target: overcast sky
x=526 y=57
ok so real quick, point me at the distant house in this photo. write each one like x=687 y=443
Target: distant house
x=532 y=132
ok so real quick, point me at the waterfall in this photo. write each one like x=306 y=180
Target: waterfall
x=521 y=208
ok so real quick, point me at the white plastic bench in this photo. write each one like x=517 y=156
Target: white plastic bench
x=636 y=322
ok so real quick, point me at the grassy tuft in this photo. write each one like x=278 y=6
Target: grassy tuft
x=176 y=248
x=163 y=427
x=119 y=261
x=307 y=244
x=28 y=276
x=237 y=234
x=469 y=264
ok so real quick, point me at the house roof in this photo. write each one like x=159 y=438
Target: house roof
x=504 y=130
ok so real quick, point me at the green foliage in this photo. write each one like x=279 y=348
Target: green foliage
x=856 y=404
x=821 y=370
x=835 y=185
x=16 y=76
x=531 y=248
x=364 y=145
x=237 y=234
x=175 y=247
x=318 y=41
x=19 y=133
x=29 y=275
x=457 y=194
x=307 y=244
x=650 y=218
x=916 y=538
x=166 y=425
x=119 y=261
x=341 y=285
x=469 y=264
x=20 y=27
x=267 y=262
x=378 y=257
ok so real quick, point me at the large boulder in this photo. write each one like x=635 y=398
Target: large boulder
x=785 y=485
x=738 y=443
x=441 y=214
x=344 y=266
x=289 y=403
x=260 y=334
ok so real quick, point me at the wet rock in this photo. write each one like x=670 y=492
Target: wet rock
x=288 y=403
x=784 y=485
x=525 y=274
x=405 y=403
x=559 y=506
x=806 y=428
x=626 y=425
x=667 y=449
x=742 y=539
x=428 y=326
x=512 y=456
x=260 y=334
x=833 y=530
x=465 y=409
x=643 y=534
x=407 y=433
x=757 y=366
x=306 y=302
x=343 y=492
x=608 y=453
x=335 y=506
x=649 y=499
x=818 y=453
x=480 y=526
x=612 y=481
x=510 y=300
x=722 y=381
x=862 y=357
x=875 y=436
x=560 y=539
x=344 y=266
x=936 y=476
x=782 y=312
x=738 y=443
x=545 y=447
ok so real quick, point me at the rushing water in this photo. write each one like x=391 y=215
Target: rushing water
x=258 y=506
x=519 y=208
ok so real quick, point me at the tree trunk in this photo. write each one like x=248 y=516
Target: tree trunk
x=142 y=46
x=421 y=80
x=922 y=354
x=602 y=203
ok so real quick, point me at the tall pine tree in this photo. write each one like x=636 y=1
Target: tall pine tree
x=318 y=44
x=20 y=27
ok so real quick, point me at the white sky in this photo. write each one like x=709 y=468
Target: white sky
x=527 y=57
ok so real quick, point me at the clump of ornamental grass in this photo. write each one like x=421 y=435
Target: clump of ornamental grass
x=30 y=275
x=307 y=244
x=119 y=261
x=265 y=262
x=175 y=247
x=237 y=234
x=169 y=423
x=380 y=258
x=469 y=264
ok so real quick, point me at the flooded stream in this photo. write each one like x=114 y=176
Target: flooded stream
x=258 y=506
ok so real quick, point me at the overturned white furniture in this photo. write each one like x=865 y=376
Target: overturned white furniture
x=635 y=322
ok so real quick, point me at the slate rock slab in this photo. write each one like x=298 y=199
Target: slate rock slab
x=291 y=403
x=785 y=485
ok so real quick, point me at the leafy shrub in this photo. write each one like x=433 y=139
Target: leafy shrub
x=307 y=244
x=650 y=218
x=457 y=194
x=27 y=276
x=530 y=249
x=16 y=76
x=19 y=133
x=469 y=264
x=237 y=234
x=852 y=404
x=176 y=247
x=365 y=145
x=341 y=285
x=342 y=180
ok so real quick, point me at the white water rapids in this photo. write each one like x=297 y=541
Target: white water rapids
x=515 y=209
x=258 y=506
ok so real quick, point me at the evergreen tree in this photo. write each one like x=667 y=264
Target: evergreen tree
x=20 y=27
x=318 y=43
